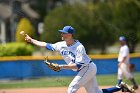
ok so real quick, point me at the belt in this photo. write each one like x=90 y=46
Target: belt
x=90 y=61
x=86 y=65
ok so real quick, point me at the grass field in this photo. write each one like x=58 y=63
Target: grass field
x=59 y=81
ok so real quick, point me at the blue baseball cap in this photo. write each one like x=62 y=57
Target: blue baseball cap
x=67 y=30
x=122 y=38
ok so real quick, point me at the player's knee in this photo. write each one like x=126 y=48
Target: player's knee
x=129 y=76
x=71 y=90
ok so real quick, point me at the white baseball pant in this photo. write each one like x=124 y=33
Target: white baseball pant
x=87 y=78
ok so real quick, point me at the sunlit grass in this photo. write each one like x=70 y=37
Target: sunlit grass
x=59 y=81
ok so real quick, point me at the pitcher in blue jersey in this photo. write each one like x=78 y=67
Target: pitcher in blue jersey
x=74 y=54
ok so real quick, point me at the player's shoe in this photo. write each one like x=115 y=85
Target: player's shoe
x=135 y=87
x=126 y=88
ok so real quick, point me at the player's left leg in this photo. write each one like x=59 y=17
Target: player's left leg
x=135 y=86
x=83 y=77
x=129 y=76
x=123 y=87
x=111 y=90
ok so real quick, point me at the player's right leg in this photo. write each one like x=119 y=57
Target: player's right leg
x=92 y=86
x=74 y=85
x=82 y=78
x=120 y=76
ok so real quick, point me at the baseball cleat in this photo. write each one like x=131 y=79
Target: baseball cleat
x=135 y=87
x=126 y=88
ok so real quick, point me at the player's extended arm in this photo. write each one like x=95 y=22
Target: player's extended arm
x=35 y=42
x=31 y=40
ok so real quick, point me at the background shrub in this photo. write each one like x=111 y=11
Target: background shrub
x=24 y=25
x=16 y=49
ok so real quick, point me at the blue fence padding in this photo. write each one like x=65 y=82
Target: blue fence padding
x=35 y=68
x=106 y=66
x=29 y=69
x=136 y=61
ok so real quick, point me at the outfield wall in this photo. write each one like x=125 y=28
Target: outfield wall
x=32 y=67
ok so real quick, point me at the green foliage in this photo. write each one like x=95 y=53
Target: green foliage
x=89 y=22
x=97 y=25
x=40 y=7
x=66 y=15
x=127 y=20
x=16 y=49
x=24 y=25
x=102 y=34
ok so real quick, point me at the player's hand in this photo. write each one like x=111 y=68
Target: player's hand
x=28 y=38
x=119 y=64
x=53 y=66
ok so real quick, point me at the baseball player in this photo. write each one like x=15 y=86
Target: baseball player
x=123 y=65
x=74 y=54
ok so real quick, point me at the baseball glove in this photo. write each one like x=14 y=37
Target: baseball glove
x=52 y=66
x=131 y=67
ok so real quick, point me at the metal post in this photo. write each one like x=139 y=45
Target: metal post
x=12 y=26
x=3 y=35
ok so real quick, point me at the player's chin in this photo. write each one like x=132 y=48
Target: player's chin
x=62 y=38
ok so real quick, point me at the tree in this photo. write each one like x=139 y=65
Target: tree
x=127 y=19
x=24 y=25
x=66 y=15
x=88 y=20
x=44 y=6
x=103 y=33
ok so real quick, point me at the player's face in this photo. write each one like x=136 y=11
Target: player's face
x=122 y=43
x=66 y=36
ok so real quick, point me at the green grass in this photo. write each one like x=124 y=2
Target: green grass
x=40 y=82
x=59 y=81
x=112 y=79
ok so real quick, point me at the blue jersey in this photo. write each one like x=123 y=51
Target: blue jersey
x=72 y=54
